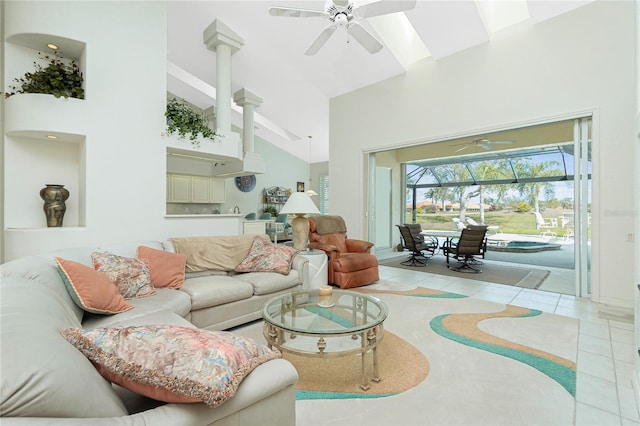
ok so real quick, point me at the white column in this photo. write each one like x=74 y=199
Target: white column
x=248 y=101
x=225 y=42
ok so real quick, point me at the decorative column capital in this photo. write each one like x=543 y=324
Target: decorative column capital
x=244 y=97
x=218 y=33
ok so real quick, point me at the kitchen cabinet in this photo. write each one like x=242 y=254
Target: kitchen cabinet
x=217 y=191
x=195 y=189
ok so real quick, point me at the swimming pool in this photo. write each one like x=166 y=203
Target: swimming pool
x=523 y=246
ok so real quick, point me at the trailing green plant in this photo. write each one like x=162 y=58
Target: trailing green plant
x=186 y=121
x=60 y=77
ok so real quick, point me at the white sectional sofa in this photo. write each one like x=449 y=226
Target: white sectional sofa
x=46 y=380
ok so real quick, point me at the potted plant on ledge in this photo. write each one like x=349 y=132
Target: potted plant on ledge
x=187 y=122
x=59 y=77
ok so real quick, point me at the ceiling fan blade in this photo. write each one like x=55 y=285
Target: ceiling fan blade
x=485 y=146
x=363 y=37
x=462 y=149
x=384 y=7
x=296 y=13
x=501 y=142
x=320 y=40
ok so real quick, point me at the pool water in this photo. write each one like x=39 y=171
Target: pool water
x=524 y=247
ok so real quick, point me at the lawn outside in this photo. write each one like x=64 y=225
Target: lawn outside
x=510 y=222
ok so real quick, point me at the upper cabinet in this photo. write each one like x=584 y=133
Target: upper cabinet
x=195 y=189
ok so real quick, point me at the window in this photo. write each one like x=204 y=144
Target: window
x=324 y=194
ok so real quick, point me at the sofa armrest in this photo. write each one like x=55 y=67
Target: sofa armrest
x=301 y=264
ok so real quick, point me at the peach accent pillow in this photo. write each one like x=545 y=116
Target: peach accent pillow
x=167 y=269
x=90 y=289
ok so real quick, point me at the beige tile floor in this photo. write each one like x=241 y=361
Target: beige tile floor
x=605 y=350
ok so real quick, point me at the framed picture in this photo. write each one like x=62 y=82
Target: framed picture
x=300 y=187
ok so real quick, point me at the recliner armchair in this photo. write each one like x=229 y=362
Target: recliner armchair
x=350 y=262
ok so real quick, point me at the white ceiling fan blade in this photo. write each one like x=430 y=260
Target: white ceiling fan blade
x=363 y=37
x=463 y=148
x=296 y=13
x=485 y=146
x=320 y=40
x=383 y=7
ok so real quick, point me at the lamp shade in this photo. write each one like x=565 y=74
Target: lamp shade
x=299 y=203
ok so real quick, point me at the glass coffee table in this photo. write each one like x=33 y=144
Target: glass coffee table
x=349 y=323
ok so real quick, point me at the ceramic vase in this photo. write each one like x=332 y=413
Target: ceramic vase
x=54 y=197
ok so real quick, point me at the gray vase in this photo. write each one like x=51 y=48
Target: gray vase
x=54 y=207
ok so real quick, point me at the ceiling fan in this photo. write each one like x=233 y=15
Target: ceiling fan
x=344 y=14
x=482 y=142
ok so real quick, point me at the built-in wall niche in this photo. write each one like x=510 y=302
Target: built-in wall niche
x=37 y=160
x=21 y=51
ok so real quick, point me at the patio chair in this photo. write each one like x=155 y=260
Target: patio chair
x=472 y=243
x=265 y=216
x=416 y=246
x=490 y=228
x=545 y=225
x=250 y=216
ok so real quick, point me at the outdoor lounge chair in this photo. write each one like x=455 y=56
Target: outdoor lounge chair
x=472 y=242
x=545 y=225
x=490 y=228
x=459 y=224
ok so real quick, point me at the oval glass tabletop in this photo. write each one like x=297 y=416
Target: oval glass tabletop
x=304 y=312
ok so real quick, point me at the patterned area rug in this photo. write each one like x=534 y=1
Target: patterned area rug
x=486 y=364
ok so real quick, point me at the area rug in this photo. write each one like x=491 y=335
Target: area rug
x=488 y=364
x=401 y=366
x=491 y=271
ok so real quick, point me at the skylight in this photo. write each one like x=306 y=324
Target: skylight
x=498 y=15
x=405 y=44
x=398 y=34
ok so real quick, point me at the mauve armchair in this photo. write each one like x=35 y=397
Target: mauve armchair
x=350 y=262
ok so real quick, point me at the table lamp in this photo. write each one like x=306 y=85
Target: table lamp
x=300 y=204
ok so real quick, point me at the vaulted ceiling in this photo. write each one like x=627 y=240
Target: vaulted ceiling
x=296 y=88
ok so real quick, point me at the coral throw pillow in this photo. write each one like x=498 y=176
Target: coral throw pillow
x=267 y=257
x=130 y=275
x=90 y=289
x=167 y=269
x=172 y=363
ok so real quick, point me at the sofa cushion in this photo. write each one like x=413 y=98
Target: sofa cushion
x=166 y=269
x=131 y=276
x=269 y=282
x=219 y=253
x=42 y=374
x=90 y=289
x=211 y=291
x=172 y=363
x=267 y=257
x=165 y=299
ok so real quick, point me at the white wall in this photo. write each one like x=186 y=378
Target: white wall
x=579 y=62
x=125 y=152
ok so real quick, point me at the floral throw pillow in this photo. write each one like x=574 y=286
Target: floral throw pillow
x=131 y=276
x=172 y=363
x=264 y=256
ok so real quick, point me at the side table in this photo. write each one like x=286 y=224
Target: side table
x=317 y=267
